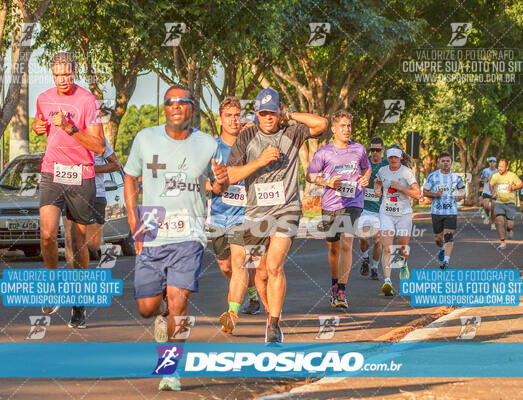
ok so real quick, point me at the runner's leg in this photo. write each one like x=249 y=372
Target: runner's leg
x=49 y=222
x=387 y=239
x=79 y=245
x=276 y=285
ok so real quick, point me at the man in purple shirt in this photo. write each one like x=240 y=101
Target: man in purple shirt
x=343 y=168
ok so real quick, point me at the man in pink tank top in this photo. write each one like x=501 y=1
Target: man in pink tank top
x=69 y=116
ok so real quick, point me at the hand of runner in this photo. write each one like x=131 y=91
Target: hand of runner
x=60 y=120
x=247 y=125
x=363 y=181
x=40 y=125
x=268 y=155
x=439 y=193
x=397 y=186
x=378 y=192
x=335 y=182
x=220 y=172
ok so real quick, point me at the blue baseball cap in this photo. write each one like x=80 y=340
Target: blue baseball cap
x=492 y=159
x=268 y=100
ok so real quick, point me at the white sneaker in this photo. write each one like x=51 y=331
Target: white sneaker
x=160 y=329
x=492 y=227
x=170 y=383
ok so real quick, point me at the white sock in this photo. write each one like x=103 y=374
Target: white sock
x=388 y=280
x=366 y=254
x=447 y=258
x=374 y=264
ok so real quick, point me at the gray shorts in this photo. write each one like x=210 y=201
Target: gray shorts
x=507 y=210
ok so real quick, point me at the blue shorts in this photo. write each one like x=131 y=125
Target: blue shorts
x=174 y=264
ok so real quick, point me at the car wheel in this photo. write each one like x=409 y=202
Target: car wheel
x=31 y=251
x=127 y=248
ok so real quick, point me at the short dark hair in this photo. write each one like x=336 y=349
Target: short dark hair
x=179 y=86
x=229 y=101
x=502 y=159
x=444 y=154
x=376 y=140
x=63 y=57
x=339 y=115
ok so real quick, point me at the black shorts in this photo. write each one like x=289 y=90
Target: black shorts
x=222 y=237
x=486 y=195
x=77 y=200
x=257 y=234
x=440 y=222
x=99 y=210
x=329 y=217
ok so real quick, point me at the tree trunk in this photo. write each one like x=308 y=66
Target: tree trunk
x=19 y=137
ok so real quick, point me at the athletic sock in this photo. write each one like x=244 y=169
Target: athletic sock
x=447 y=259
x=341 y=286
x=234 y=307
x=253 y=294
x=366 y=254
x=388 y=280
x=374 y=264
x=334 y=281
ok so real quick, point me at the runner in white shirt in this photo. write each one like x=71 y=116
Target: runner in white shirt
x=397 y=184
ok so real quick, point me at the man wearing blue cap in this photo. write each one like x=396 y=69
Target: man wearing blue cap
x=486 y=196
x=266 y=157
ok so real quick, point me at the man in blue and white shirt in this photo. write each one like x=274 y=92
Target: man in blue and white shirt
x=445 y=188
x=486 y=196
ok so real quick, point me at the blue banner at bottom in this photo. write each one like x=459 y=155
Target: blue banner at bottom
x=82 y=360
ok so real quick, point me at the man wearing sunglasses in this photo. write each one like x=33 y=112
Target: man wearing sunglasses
x=174 y=161
x=369 y=222
x=266 y=157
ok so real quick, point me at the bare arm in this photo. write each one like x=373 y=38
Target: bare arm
x=412 y=191
x=240 y=172
x=316 y=124
x=431 y=194
x=112 y=165
x=131 y=188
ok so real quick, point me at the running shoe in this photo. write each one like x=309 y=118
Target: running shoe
x=441 y=255
x=341 y=300
x=444 y=265
x=510 y=234
x=364 y=269
x=404 y=272
x=78 y=317
x=334 y=295
x=387 y=289
x=374 y=274
x=492 y=227
x=160 y=329
x=50 y=309
x=253 y=307
x=170 y=383
x=228 y=319
x=502 y=246
x=274 y=334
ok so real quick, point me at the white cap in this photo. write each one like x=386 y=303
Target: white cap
x=394 y=152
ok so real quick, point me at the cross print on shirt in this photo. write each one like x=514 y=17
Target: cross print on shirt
x=155 y=166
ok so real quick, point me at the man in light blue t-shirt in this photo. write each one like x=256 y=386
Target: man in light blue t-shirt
x=486 y=197
x=228 y=212
x=174 y=161
x=445 y=189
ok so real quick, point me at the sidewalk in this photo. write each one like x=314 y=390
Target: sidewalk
x=481 y=324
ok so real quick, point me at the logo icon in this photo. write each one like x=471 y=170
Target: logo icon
x=104 y=110
x=28 y=186
x=318 y=33
x=460 y=33
x=109 y=254
x=469 y=327
x=174 y=32
x=397 y=260
x=253 y=255
x=168 y=358
x=328 y=325
x=175 y=182
x=393 y=109
x=30 y=31
x=183 y=325
x=39 y=324
x=146 y=224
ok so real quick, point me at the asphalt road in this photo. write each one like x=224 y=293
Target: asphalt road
x=369 y=317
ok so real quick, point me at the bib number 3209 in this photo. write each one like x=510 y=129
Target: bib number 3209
x=67 y=174
x=269 y=194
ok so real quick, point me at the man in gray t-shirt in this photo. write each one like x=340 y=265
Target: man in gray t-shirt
x=266 y=157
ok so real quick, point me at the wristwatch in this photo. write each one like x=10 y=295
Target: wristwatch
x=74 y=129
x=289 y=113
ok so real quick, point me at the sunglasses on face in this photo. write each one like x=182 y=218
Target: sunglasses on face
x=183 y=101
x=375 y=149
x=266 y=113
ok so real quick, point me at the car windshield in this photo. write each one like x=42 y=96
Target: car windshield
x=21 y=175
